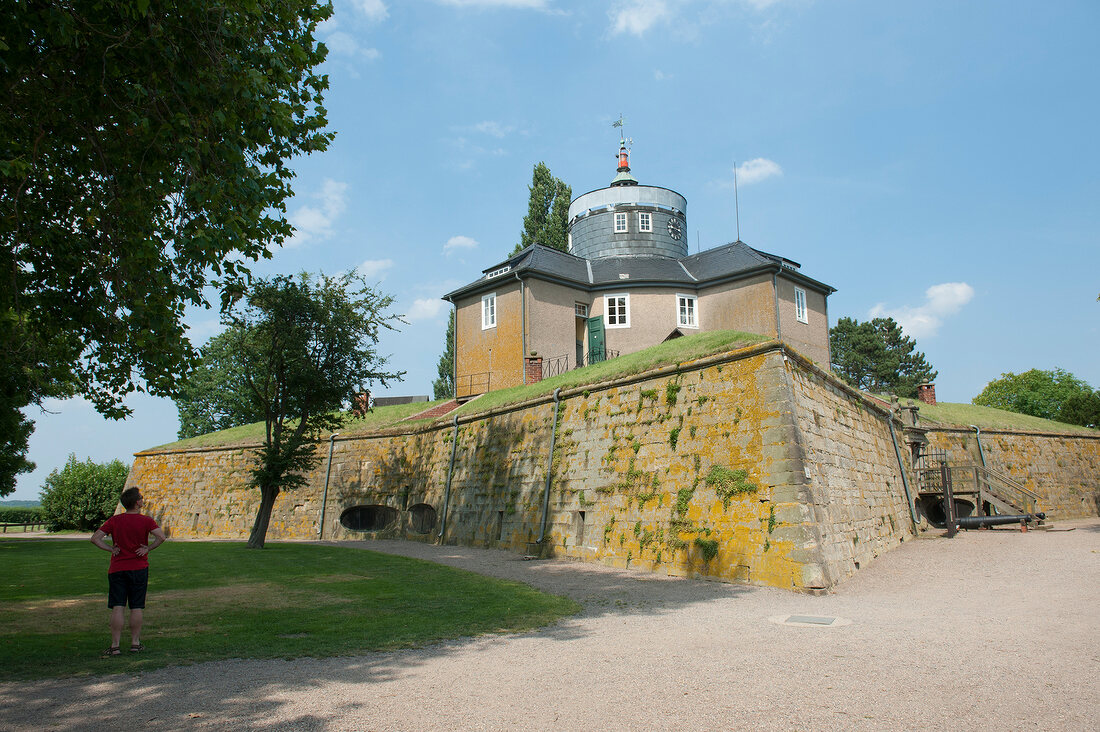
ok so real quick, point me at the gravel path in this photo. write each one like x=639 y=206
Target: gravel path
x=990 y=630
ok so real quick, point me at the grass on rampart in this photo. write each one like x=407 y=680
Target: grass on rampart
x=948 y=413
x=213 y=601
x=376 y=419
x=680 y=350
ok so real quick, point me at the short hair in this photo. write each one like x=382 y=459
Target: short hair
x=129 y=498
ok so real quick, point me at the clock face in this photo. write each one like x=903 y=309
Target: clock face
x=675 y=230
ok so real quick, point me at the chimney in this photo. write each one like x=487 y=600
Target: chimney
x=926 y=393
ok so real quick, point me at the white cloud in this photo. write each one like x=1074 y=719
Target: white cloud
x=374 y=267
x=314 y=223
x=529 y=4
x=425 y=308
x=757 y=170
x=637 y=16
x=345 y=44
x=659 y=75
x=374 y=10
x=458 y=242
x=940 y=301
x=496 y=129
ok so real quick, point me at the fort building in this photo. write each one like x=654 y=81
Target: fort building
x=627 y=282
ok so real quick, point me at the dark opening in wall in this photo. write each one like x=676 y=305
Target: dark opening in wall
x=423 y=518
x=580 y=528
x=368 y=518
x=935 y=511
x=500 y=525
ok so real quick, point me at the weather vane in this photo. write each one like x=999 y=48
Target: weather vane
x=623 y=140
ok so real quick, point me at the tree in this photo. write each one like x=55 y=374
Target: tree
x=306 y=348
x=143 y=156
x=444 y=386
x=547 y=216
x=82 y=495
x=215 y=395
x=1082 y=409
x=1055 y=394
x=877 y=356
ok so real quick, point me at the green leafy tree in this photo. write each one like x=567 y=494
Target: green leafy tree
x=306 y=346
x=143 y=156
x=215 y=395
x=1055 y=394
x=547 y=218
x=877 y=356
x=444 y=386
x=82 y=495
x=1082 y=409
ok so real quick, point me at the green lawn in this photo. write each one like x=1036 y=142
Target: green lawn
x=211 y=601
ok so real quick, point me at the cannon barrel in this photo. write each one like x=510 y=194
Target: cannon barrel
x=977 y=522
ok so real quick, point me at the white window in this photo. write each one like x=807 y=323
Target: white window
x=498 y=272
x=616 y=311
x=489 y=311
x=580 y=310
x=687 y=307
x=620 y=223
x=645 y=222
x=800 y=305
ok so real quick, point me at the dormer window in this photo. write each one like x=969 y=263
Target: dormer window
x=620 y=223
x=645 y=221
x=498 y=272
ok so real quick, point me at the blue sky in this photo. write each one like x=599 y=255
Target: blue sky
x=934 y=161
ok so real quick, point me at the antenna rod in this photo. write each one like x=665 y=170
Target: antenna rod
x=736 y=203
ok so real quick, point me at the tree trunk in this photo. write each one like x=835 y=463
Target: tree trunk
x=258 y=536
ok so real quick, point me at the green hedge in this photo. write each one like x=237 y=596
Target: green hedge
x=21 y=515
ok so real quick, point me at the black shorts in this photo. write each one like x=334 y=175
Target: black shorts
x=127 y=588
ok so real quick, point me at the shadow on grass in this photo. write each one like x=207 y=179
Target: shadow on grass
x=256 y=694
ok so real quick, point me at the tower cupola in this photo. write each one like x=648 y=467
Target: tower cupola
x=628 y=219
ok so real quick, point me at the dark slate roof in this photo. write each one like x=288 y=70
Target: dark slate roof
x=622 y=270
x=726 y=262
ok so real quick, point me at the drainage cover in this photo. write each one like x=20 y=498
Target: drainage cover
x=812 y=621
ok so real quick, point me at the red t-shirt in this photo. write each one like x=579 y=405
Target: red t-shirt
x=128 y=531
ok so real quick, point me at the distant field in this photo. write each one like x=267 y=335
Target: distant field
x=212 y=601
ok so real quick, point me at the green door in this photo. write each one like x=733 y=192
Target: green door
x=596 y=350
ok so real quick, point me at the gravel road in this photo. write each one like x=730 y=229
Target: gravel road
x=990 y=630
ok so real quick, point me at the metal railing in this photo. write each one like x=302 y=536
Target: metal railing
x=554 y=366
x=467 y=385
x=603 y=354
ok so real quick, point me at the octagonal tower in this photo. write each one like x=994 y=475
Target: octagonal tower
x=627 y=219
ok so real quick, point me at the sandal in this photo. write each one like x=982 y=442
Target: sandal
x=112 y=651
x=136 y=648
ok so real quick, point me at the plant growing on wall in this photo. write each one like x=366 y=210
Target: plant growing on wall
x=308 y=347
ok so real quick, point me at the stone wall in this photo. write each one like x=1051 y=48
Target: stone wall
x=752 y=466
x=1063 y=468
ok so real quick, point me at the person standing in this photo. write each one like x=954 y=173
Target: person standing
x=128 y=575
